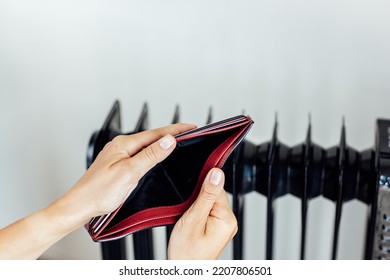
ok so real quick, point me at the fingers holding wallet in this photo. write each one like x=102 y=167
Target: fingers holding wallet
x=117 y=169
x=207 y=226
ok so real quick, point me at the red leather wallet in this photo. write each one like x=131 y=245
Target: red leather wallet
x=168 y=190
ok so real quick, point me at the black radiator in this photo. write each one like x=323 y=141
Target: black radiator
x=273 y=169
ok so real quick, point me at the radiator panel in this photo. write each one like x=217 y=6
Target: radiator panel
x=288 y=178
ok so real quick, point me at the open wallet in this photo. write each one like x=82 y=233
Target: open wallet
x=165 y=192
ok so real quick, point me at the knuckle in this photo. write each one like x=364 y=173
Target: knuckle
x=117 y=138
x=230 y=226
x=233 y=225
x=157 y=132
x=151 y=154
x=209 y=195
x=117 y=141
x=108 y=145
x=230 y=223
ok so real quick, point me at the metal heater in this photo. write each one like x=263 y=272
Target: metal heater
x=273 y=169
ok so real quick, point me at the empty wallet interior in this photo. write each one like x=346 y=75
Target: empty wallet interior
x=172 y=181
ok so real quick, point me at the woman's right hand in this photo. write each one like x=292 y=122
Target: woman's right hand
x=207 y=226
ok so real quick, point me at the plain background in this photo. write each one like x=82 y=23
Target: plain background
x=64 y=63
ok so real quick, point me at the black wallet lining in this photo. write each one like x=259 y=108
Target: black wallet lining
x=172 y=181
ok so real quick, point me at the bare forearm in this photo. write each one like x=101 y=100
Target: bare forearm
x=29 y=237
x=106 y=184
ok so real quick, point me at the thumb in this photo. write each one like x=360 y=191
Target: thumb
x=146 y=159
x=208 y=195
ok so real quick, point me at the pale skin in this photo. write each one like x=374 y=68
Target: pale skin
x=201 y=233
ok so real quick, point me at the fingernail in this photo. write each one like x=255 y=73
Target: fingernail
x=166 y=142
x=216 y=177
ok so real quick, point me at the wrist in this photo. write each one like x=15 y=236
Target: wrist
x=74 y=207
x=66 y=214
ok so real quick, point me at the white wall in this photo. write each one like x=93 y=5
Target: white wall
x=63 y=63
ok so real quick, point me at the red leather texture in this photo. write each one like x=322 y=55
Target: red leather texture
x=100 y=228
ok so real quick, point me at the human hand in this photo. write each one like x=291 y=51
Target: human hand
x=207 y=226
x=123 y=161
x=103 y=187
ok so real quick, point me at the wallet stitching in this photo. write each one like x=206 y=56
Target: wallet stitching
x=176 y=208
